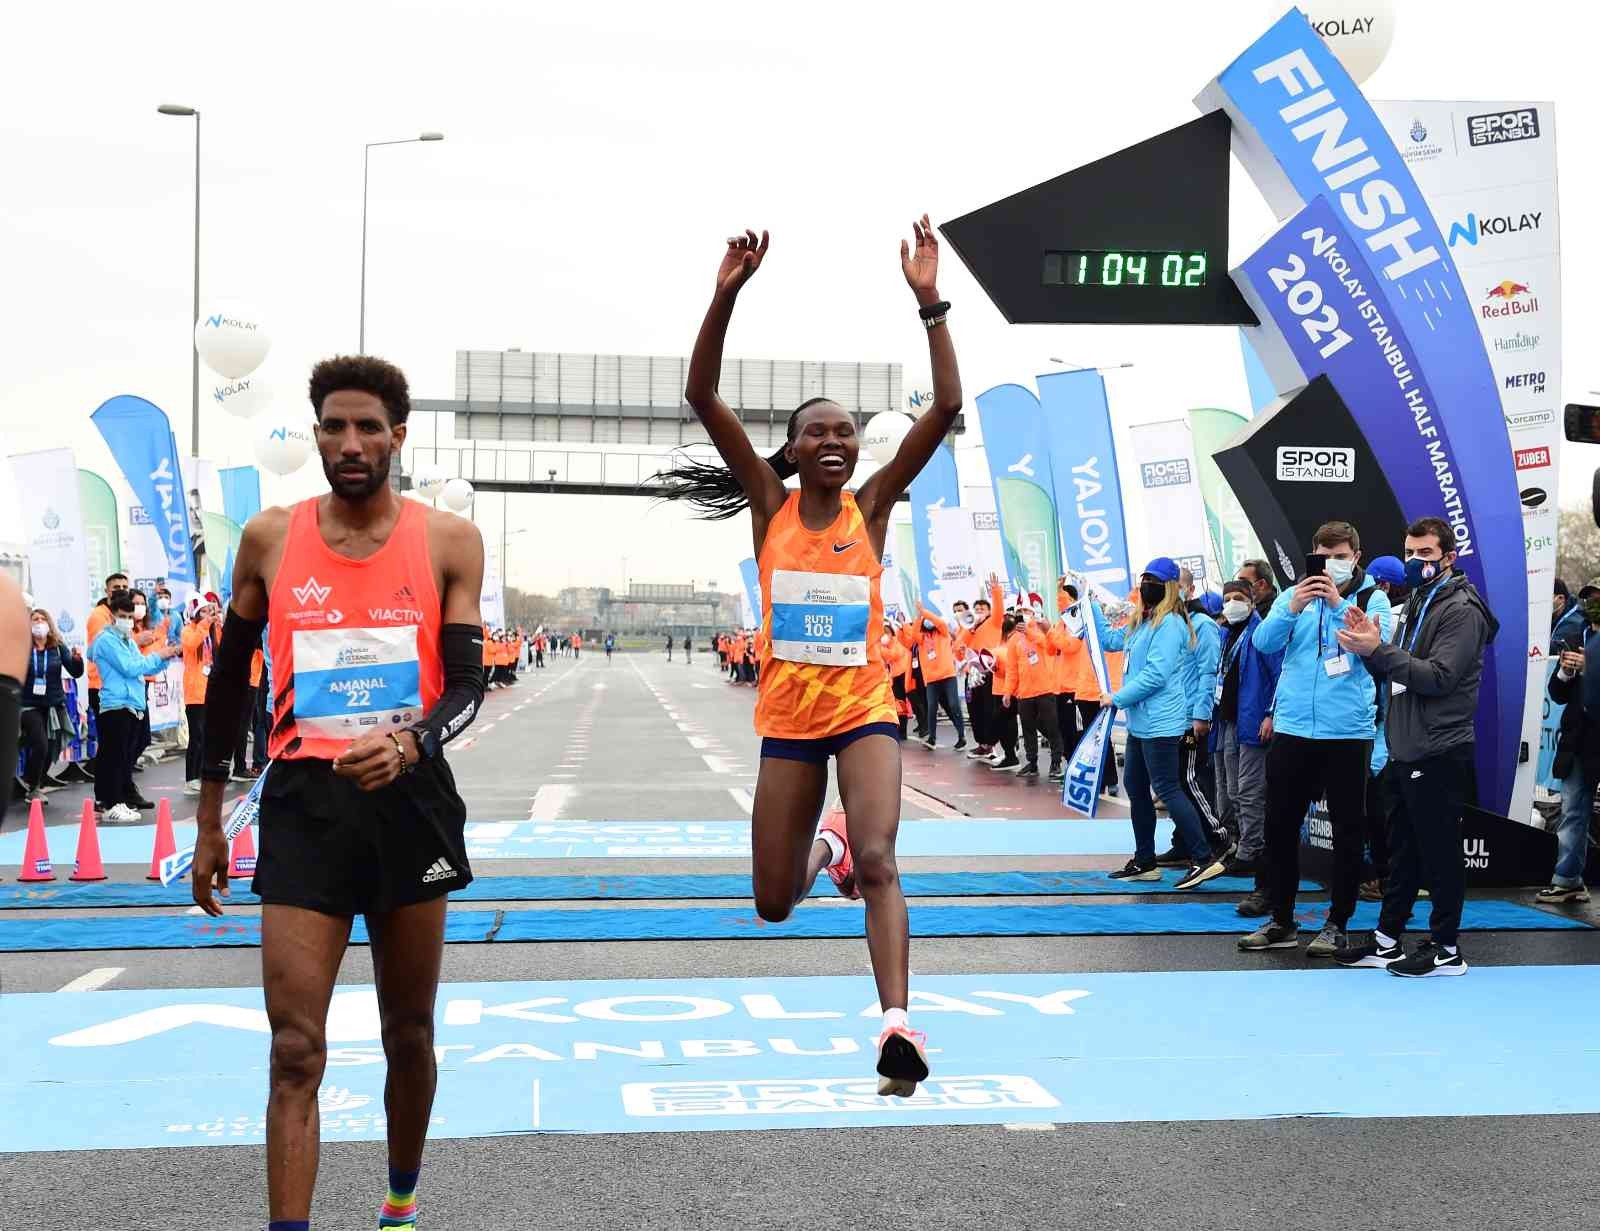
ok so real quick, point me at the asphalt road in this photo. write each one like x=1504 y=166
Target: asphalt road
x=640 y=739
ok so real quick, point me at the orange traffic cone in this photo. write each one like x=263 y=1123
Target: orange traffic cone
x=166 y=844
x=36 y=851
x=87 y=867
x=243 y=861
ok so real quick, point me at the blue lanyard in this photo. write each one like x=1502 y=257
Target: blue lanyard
x=41 y=661
x=1416 y=629
x=1228 y=659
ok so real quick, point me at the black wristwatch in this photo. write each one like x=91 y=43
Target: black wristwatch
x=427 y=743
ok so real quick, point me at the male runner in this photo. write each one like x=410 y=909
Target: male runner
x=374 y=639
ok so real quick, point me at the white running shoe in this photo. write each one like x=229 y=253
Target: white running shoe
x=121 y=814
x=192 y=787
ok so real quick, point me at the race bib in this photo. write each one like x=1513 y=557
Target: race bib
x=1337 y=666
x=351 y=681
x=820 y=617
x=1033 y=660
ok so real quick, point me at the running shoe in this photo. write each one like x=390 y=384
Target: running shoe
x=1239 y=867
x=1030 y=770
x=121 y=814
x=1057 y=773
x=843 y=873
x=192 y=787
x=1172 y=857
x=1271 y=936
x=1372 y=890
x=961 y=743
x=1006 y=763
x=1208 y=868
x=1552 y=895
x=137 y=801
x=1329 y=942
x=1369 y=955
x=902 y=1061
x=1429 y=960
x=982 y=752
x=1254 y=905
x=1133 y=870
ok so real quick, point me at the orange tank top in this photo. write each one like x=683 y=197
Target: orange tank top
x=821 y=619
x=355 y=643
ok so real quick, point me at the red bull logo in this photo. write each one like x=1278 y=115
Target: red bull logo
x=1508 y=298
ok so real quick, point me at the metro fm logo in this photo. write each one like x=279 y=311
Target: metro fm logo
x=1508 y=298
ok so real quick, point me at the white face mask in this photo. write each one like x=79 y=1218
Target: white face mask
x=1038 y=612
x=41 y=630
x=1340 y=571
x=1236 y=611
x=139 y=611
x=165 y=604
x=125 y=623
x=966 y=619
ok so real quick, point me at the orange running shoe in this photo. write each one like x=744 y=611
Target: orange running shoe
x=902 y=1061
x=843 y=873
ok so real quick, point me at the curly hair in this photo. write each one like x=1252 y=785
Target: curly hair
x=365 y=374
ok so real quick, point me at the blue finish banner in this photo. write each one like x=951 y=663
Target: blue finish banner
x=935 y=487
x=750 y=574
x=1080 y=788
x=139 y=436
x=241 y=493
x=1019 y=467
x=1083 y=471
x=1303 y=130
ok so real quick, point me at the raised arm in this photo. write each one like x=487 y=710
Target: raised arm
x=760 y=482
x=921 y=268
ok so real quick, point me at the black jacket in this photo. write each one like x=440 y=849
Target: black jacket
x=1578 y=736
x=52 y=661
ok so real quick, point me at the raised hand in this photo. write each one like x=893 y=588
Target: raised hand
x=921 y=266
x=743 y=257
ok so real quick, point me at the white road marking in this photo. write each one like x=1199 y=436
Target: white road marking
x=1014 y=1128
x=535 y=1103
x=719 y=765
x=549 y=800
x=96 y=978
x=743 y=798
x=700 y=743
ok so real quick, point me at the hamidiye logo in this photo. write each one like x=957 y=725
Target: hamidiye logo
x=311 y=592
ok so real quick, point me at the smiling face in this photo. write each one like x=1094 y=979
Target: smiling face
x=356 y=443
x=825 y=445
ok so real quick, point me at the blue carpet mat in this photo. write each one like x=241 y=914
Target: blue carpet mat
x=733 y=923
x=684 y=887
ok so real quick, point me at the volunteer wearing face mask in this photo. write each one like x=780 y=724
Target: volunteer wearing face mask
x=1194 y=751
x=1433 y=670
x=1035 y=690
x=980 y=641
x=122 y=706
x=46 y=725
x=1080 y=679
x=1324 y=719
x=1159 y=643
x=199 y=641
x=1005 y=694
x=935 y=647
x=1241 y=729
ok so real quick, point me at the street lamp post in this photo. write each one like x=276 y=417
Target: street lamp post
x=427 y=136
x=194 y=351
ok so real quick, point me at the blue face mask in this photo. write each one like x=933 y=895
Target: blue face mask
x=1420 y=572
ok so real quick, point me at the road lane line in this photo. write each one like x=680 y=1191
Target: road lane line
x=549 y=800
x=95 y=979
x=743 y=798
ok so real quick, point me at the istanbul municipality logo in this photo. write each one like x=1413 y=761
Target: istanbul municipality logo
x=52 y=519
x=1419 y=132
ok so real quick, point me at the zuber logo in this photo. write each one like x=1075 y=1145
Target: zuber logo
x=311 y=592
x=1171 y=473
x=1498 y=127
x=1510 y=299
x=1527 y=459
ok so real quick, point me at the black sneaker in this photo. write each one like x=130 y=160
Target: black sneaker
x=1030 y=770
x=1429 y=960
x=1172 y=857
x=1239 y=867
x=1271 y=936
x=1254 y=905
x=138 y=802
x=1006 y=763
x=1369 y=954
x=1058 y=773
x=1200 y=873
x=960 y=744
x=1133 y=870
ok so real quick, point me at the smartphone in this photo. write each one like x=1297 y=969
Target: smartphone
x=1316 y=565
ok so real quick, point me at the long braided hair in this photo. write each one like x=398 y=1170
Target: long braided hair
x=713 y=490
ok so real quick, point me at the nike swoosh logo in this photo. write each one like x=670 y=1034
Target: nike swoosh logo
x=840 y=547
x=1443 y=959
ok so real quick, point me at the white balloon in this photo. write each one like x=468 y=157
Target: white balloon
x=231 y=340
x=1359 y=32
x=885 y=431
x=246 y=397
x=457 y=495
x=283 y=447
x=428 y=480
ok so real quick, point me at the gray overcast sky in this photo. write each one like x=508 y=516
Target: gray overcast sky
x=596 y=155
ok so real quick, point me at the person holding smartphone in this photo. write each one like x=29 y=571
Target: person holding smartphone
x=1576 y=685
x=1324 y=719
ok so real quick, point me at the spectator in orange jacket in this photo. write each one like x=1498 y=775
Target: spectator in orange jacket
x=1081 y=680
x=1005 y=691
x=935 y=646
x=199 y=643
x=980 y=635
x=1035 y=694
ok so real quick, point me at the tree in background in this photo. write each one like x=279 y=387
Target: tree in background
x=531 y=610
x=1577 y=547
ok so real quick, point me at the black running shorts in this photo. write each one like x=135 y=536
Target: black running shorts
x=329 y=846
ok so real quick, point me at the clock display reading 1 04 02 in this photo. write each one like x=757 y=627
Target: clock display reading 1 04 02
x=1125 y=267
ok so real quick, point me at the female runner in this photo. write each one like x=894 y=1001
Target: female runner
x=823 y=691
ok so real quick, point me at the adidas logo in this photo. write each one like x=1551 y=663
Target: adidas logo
x=404 y=595
x=311 y=592
x=441 y=871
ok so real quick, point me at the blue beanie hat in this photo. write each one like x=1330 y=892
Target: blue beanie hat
x=1211 y=603
x=1163 y=568
x=1387 y=568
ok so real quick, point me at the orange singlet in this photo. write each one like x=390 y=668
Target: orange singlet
x=822 y=616
x=355 y=643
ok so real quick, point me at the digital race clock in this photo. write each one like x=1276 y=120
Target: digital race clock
x=1079 y=267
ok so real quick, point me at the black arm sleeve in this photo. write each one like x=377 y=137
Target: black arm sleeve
x=10 y=728
x=225 y=693
x=461 y=648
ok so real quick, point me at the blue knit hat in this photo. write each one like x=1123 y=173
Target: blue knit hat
x=1211 y=603
x=1163 y=568
x=1387 y=568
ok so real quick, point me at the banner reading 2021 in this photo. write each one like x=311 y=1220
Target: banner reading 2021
x=1318 y=152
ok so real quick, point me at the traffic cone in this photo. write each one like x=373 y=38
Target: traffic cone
x=87 y=867
x=166 y=844
x=36 y=851
x=243 y=861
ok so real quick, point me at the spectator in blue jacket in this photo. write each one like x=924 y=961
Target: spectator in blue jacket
x=1243 y=686
x=122 y=706
x=1194 y=752
x=1159 y=644
x=1324 y=718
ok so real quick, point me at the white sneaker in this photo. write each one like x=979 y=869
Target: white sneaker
x=192 y=787
x=121 y=814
